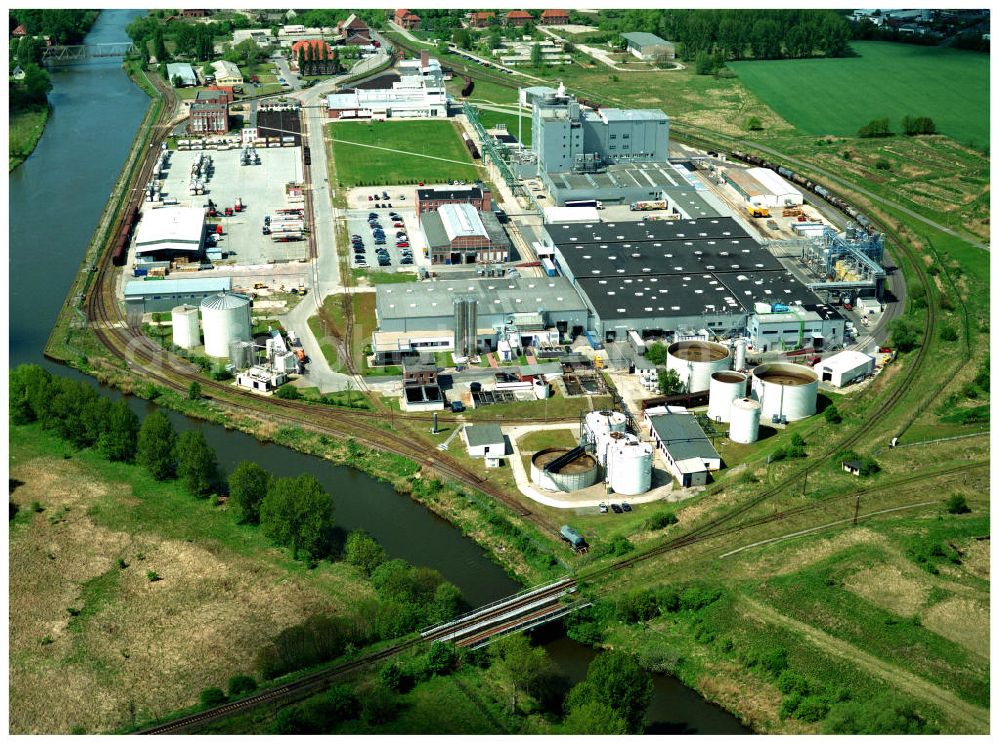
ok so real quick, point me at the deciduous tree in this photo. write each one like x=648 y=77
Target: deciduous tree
x=247 y=489
x=155 y=446
x=196 y=463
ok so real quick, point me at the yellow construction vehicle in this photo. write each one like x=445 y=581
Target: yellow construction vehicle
x=758 y=212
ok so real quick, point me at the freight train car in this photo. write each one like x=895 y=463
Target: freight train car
x=119 y=252
x=473 y=150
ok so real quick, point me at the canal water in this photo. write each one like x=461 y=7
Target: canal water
x=56 y=198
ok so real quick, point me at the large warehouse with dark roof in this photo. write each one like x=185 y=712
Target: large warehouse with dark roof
x=678 y=277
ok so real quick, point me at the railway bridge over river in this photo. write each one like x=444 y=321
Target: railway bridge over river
x=76 y=54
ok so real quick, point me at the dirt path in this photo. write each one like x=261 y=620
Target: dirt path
x=975 y=719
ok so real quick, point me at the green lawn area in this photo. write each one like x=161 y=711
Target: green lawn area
x=542 y=439
x=837 y=96
x=25 y=129
x=383 y=278
x=399 y=153
x=493 y=118
x=332 y=318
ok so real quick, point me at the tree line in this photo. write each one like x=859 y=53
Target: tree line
x=32 y=92
x=738 y=34
x=910 y=124
x=318 y=59
x=61 y=25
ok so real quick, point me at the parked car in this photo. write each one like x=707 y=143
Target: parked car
x=398 y=225
x=457 y=406
x=406 y=260
x=626 y=507
x=402 y=245
x=402 y=197
x=616 y=508
x=603 y=507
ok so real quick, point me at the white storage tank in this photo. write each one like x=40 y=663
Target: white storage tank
x=723 y=387
x=225 y=319
x=744 y=423
x=541 y=389
x=185 y=323
x=785 y=390
x=605 y=442
x=740 y=363
x=695 y=361
x=241 y=354
x=603 y=422
x=630 y=467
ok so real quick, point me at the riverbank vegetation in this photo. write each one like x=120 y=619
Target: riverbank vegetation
x=106 y=555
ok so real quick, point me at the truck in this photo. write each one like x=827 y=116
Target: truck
x=584 y=203
x=636 y=341
x=648 y=204
x=549 y=266
x=239 y=204
x=758 y=212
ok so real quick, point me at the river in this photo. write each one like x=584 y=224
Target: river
x=56 y=198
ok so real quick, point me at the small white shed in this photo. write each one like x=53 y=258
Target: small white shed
x=484 y=440
x=840 y=369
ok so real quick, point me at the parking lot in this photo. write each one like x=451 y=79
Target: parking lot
x=262 y=190
x=358 y=214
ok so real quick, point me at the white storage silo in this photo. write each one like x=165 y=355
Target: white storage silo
x=695 y=361
x=740 y=363
x=744 y=424
x=785 y=390
x=630 y=467
x=605 y=442
x=225 y=319
x=723 y=387
x=541 y=388
x=185 y=323
x=600 y=423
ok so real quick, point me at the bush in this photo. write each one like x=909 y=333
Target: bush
x=948 y=333
x=832 y=415
x=883 y=164
x=441 y=659
x=318 y=639
x=637 y=606
x=885 y=715
x=904 y=334
x=212 y=697
x=656 y=353
x=379 y=706
x=790 y=682
x=152 y=576
x=753 y=124
x=660 y=520
x=772 y=660
x=957 y=505
x=620 y=546
x=876 y=128
x=241 y=684
x=288 y=391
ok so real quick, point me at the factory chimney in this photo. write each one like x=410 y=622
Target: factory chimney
x=425 y=60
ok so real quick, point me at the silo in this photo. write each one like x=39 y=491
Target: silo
x=185 y=322
x=466 y=326
x=695 y=361
x=785 y=390
x=723 y=387
x=225 y=318
x=630 y=467
x=577 y=474
x=605 y=442
x=740 y=363
x=541 y=388
x=744 y=424
x=241 y=354
x=600 y=423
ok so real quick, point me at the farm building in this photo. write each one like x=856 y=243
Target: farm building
x=182 y=70
x=554 y=18
x=517 y=18
x=406 y=19
x=163 y=295
x=689 y=454
x=648 y=46
x=845 y=367
x=431 y=198
x=461 y=234
x=169 y=232
x=227 y=73
x=484 y=440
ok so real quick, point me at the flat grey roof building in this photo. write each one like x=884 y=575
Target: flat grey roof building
x=683 y=437
x=483 y=435
x=650 y=230
x=182 y=70
x=646 y=46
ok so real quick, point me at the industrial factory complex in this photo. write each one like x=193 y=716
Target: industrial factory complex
x=551 y=276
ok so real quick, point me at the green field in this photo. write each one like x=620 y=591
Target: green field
x=25 y=129
x=368 y=153
x=493 y=118
x=837 y=96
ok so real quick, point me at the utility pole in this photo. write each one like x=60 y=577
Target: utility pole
x=857 y=507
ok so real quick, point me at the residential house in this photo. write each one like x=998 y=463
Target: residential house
x=227 y=73
x=406 y=19
x=555 y=17
x=517 y=18
x=20 y=31
x=481 y=19
x=354 y=30
x=17 y=73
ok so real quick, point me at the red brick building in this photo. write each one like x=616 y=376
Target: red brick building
x=406 y=19
x=352 y=28
x=217 y=94
x=481 y=19
x=555 y=17
x=208 y=119
x=517 y=18
x=429 y=200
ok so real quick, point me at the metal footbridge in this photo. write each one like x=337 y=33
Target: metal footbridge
x=522 y=611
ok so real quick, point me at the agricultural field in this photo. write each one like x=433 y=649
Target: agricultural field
x=837 y=96
x=97 y=634
x=373 y=153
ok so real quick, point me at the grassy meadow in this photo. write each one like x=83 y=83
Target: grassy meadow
x=837 y=96
x=25 y=129
x=370 y=153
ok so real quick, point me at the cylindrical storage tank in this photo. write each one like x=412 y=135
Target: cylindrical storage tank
x=723 y=387
x=603 y=422
x=606 y=441
x=695 y=361
x=241 y=354
x=786 y=390
x=185 y=322
x=541 y=389
x=630 y=467
x=740 y=363
x=225 y=319
x=578 y=474
x=744 y=423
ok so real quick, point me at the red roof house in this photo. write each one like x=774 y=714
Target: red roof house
x=20 y=31
x=517 y=18
x=406 y=19
x=353 y=26
x=481 y=19
x=314 y=45
x=555 y=17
